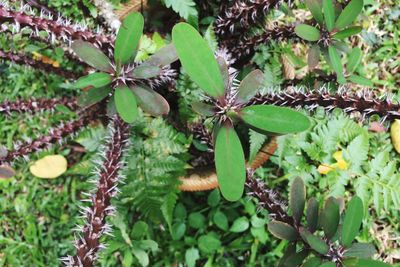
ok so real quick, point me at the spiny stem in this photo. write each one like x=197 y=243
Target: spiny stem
x=33 y=105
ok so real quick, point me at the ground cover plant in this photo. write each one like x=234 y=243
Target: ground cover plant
x=199 y=133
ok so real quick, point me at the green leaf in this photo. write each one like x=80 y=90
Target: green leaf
x=330 y=217
x=241 y=224
x=167 y=208
x=349 y=14
x=185 y=8
x=354 y=59
x=163 y=57
x=273 y=119
x=191 y=256
x=223 y=67
x=208 y=243
x=329 y=14
x=197 y=220
x=312 y=262
x=249 y=86
x=360 y=250
x=282 y=230
x=328 y=264
x=352 y=221
x=93 y=96
x=230 y=163
x=125 y=103
x=313 y=57
x=203 y=109
x=336 y=63
x=150 y=101
x=307 y=32
x=315 y=242
x=220 y=220
x=347 y=32
x=92 y=55
x=178 y=230
x=141 y=255
x=297 y=198
x=214 y=198
x=297 y=258
x=315 y=7
x=312 y=214
x=198 y=59
x=128 y=37
x=146 y=72
x=96 y=80
x=371 y=263
x=361 y=80
x=289 y=251
x=256 y=141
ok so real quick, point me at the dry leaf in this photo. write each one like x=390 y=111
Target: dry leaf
x=6 y=172
x=288 y=69
x=49 y=167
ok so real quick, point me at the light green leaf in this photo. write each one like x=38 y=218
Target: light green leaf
x=371 y=263
x=241 y=224
x=92 y=55
x=347 y=32
x=297 y=198
x=282 y=230
x=360 y=80
x=191 y=256
x=150 y=101
x=125 y=103
x=354 y=59
x=329 y=14
x=185 y=8
x=141 y=256
x=336 y=63
x=352 y=221
x=315 y=6
x=208 y=243
x=307 y=32
x=360 y=250
x=256 y=141
x=198 y=59
x=167 y=208
x=96 y=80
x=349 y=13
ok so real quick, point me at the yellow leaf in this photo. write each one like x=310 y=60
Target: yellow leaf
x=6 y=172
x=49 y=167
x=324 y=169
x=395 y=134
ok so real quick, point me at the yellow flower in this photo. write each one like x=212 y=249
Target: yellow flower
x=340 y=164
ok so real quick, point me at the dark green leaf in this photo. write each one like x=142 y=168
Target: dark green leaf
x=307 y=32
x=250 y=86
x=328 y=264
x=163 y=57
x=125 y=103
x=313 y=57
x=330 y=217
x=349 y=14
x=151 y=101
x=202 y=108
x=230 y=163
x=371 y=263
x=96 y=80
x=315 y=242
x=274 y=119
x=312 y=214
x=289 y=251
x=352 y=221
x=214 y=198
x=198 y=59
x=146 y=72
x=223 y=67
x=93 y=96
x=354 y=59
x=241 y=224
x=297 y=198
x=312 y=262
x=361 y=80
x=6 y=172
x=282 y=230
x=347 y=32
x=336 y=63
x=128 y=37
x=360 y=250
x=297 y=258
x=329 y=14
x=315 y=6
x=92 y=55
x=178 y=230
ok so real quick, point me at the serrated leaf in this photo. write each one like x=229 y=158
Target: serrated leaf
x=256 y=141
x=198 y=59
x=163 y=57
x=150 y=101
x=336 y=63
x=249 y=86
x=312 y=214
x=360 y=250
x=349 y=14
x=307 y=32
x=128 y=37
x=315 y=242
x=313 y=57
x=146 y=72
x=330 y=217
x=185 y=8
x=6 y=172
x=360 y=80
x=93 y=96
x=354 y=59
x=297 y=198
x=230 y=163
x=347 y=32
x=315 y=6
x=273 y=119
x=91 y=55
x=282 y=230
x=96 y=80
x=352 y=221
x=203 y=109
x=49 y=167
x=329 y=14
x=125 y=103
x=167 y=208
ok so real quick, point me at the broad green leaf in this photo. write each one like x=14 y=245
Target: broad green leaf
x=349 y=13
x=360 y=80
x=150 y=101
x=315 y=6
x=354 y=59
x=330 y=217
x=307 y=32
x=92 y=55
x=220 y=220
x=312 y=214
x=347 y=32
x=283 y=230
x=371 y=263
x=197 y=59
x=197 y=220
x=297 y=259
x=178 y=230
x=6 y=172
x=93 y=96
x=312 y=262
x=241 y=224
x=230 y=163
x=328 y=264
x=273 y=119
x=297 y=198
x=329 y=14
x=125 y=103
x=289 y=251
x=352 y=221
x=49 y=167
x=336 y=63
x=96 y=80
x=203 y=109
x=313 y=57
x=145 y=72
x=163 y=57
x=315 y=242
x=128 y=37
x=208 y=243
x=141 y=256
x=191 y=256
x=360 y=250
x=250 y=85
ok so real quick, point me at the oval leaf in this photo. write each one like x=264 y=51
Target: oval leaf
x=241 y=224
x=250 y=85
x=282 y=230
x=197 y=59
x=313 y=262
x=92 y=55
x=146 y=72
x=125 y=103
x=128 y=38
x=330 y=217
x=93 y=96
x=352 y=221
x=315 y=242
x=354 y=59
x=312 y=214
x=371 y=263
x=315 y=7
x=151 y=101
x=297 y=198
x=230 y=163
x=313 y=57
x=347 y=32
x=203 y=109
x=349 y=13
x=224 y=69
x=163 y=57
x=274 y=119
x=361 y=250
x=329 y=14
x=307 y=32
x=96 y=80
x=6 y=172
x=49 y=167
x=328 y=264
x=336 y=63
x=360 y=80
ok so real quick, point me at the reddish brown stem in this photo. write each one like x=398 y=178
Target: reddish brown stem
x=33 y=105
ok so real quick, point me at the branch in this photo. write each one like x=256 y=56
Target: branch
x=33 y=105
